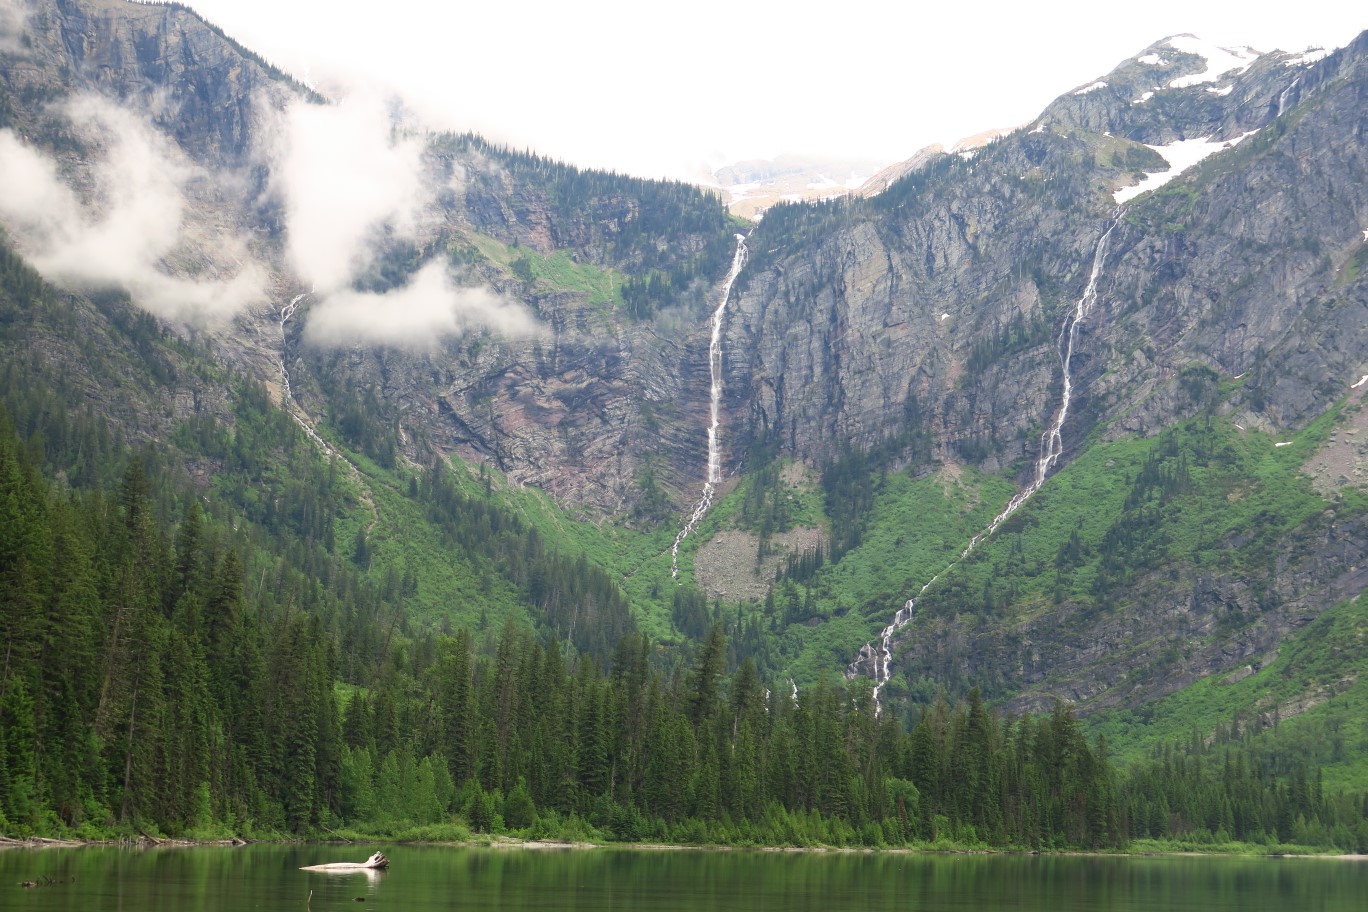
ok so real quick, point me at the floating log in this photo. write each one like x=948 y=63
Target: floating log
x=376 y=862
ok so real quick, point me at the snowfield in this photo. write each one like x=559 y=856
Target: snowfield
x=1181 y=156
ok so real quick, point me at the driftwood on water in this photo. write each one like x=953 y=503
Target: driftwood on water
x=376 y=862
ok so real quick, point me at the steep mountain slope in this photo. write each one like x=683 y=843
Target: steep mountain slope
x=892 y=297
x=587 y=406
x=889 y=363
x=1231 y=291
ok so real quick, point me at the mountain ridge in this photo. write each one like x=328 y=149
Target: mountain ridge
x=915 y=329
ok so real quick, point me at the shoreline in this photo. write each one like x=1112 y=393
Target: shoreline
x=512 y=843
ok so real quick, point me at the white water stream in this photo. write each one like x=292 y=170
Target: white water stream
x=880 y=657
x=301 y=417
x=715 y=375
x=286 y=312
x=286 y=394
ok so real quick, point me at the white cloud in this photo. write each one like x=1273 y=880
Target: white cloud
x=13 y=18
x=131 y=222
x=352 y=182
x=344 y=179
x=416 y=316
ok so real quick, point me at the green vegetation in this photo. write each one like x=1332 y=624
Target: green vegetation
x=558 y=272
x=659 y=236
x=211 y=628
x=1351 y=269
x=1304 y=708
x=147 y=689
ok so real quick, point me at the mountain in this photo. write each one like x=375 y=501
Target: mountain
x=889 y=361
x=1232 y=293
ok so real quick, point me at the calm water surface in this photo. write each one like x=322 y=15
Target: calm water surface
x=517 y=880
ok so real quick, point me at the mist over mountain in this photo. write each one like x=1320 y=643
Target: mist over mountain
x=1163 y=273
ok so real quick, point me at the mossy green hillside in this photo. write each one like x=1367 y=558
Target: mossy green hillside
x=558 y=272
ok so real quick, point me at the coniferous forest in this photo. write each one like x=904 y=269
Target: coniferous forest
x=258 y=585
x=209 y=661
x=149 y=688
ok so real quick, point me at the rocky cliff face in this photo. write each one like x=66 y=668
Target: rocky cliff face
x=600 y=409
x=949 y=287
x=204 y=91
x=941 y=296
x=1242 y=273
x=952 y=287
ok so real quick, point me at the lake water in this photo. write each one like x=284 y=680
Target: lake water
x=268 y=878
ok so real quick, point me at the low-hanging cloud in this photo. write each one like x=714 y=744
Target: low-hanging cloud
x=129 y=225
x=429 y=307
x=13 y=18
x=344 y=179
x=353 y=184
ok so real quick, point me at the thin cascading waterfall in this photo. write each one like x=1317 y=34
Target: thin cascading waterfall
x=286 y=394
x=1052 y=440
x=1284 y=95
x=715 y=412
x=880 y=658
x=285 y=313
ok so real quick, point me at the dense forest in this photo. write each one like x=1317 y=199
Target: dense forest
x=199 y=660
x=147 y=687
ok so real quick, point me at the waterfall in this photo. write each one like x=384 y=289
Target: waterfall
x=880 y=658
x=715 y=414
x=1284 y=94
x=287 y=311
x=301 y=417
x=286 y=394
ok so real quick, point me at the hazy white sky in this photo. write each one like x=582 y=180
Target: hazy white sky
x=659 y=89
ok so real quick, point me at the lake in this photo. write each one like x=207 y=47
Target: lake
x=267 y=878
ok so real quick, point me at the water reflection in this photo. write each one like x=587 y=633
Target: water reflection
x=374 y=875
x=269 y=879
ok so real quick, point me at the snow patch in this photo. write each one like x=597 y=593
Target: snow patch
x=1181 y=156
x=1143 y=98
x=1362 y=380
x=946 y=316
x=1152 y=60
x=1226 y=91
x=1307 y=57
x=1091 y=88
x=738 y=192
x=1040 y=128
x=1219 y=60
x=1283 y=443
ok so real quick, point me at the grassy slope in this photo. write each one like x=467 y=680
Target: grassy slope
x=602 y=287
x=1240 y=481
x=1309 y=704
x=916 y=530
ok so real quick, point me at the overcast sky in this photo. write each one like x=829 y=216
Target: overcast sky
x=660 y=89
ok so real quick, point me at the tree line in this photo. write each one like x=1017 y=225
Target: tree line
x=209 y=660
x=145 y=688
